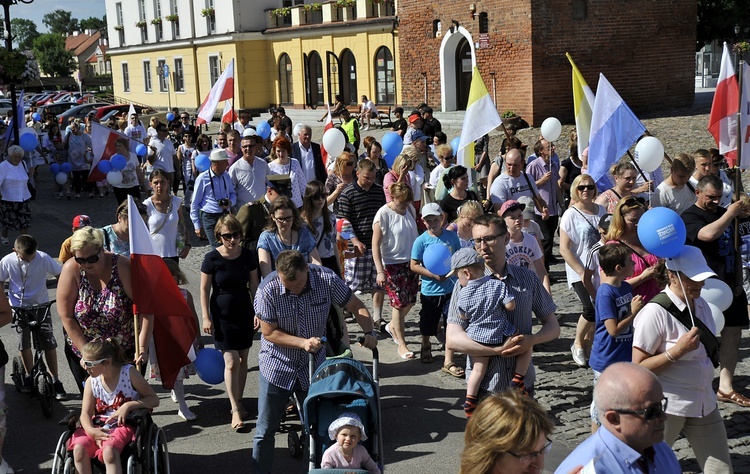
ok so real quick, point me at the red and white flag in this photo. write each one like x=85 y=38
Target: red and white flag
x=103 y=147
x=722 y=123
x=228 y=116
x=328 y=126
x=222 y=90
x=155 y=292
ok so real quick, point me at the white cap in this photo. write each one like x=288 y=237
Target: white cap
x=431 y=209
x=691 y=262
x=346 y=419
x=249 y=132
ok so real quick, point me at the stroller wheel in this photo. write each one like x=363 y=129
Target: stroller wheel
x=295 y=444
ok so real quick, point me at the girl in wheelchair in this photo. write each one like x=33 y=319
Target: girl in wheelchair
x=113 y=390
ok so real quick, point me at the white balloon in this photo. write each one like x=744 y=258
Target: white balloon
x=61 y=178
x=718 y=293
x=649 y=153
x=718 y=316
x=114 y=177
x=334 y=142
x=551 y=129
x=26 y=130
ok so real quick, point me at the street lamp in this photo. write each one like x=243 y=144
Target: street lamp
x=9 y=46
x=737 y=31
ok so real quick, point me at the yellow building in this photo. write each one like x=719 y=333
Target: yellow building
x=168 y=53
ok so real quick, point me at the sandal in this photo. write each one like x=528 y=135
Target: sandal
x=388 y=330
x=733 y=397
x=426 y=354
x=454 y=370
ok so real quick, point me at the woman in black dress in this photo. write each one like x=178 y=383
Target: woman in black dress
x=226 y=274
x=457 y=180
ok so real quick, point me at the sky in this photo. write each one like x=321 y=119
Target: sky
x=35 y=11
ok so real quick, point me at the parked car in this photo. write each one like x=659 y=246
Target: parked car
x=55 y=109
x=5 y=106
x=77 y=112
x=122 y=108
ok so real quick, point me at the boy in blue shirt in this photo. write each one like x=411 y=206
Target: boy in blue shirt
x=616 y=308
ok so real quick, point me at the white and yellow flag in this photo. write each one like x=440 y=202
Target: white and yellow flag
x=480 y=119
x=583 y=106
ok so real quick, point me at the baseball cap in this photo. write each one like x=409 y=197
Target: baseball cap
x=691 y=262
x=511 y=205
x=219 y=154
x=249 y=132
x=604 y=222
x=281 y=183
x=81 y=220
x=431 y=209
x=528 y=210
x=418 y=135
x=465 y=257
x=414 y=116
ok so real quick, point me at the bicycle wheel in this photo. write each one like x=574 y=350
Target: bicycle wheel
x=46 y=394
x=17 y=373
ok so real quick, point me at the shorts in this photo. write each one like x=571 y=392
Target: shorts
x=361 y=274
x=433 y=309
x=593 y=412
x=588 y=311
x=47 y=339
x=401 y=285
x=119 y=439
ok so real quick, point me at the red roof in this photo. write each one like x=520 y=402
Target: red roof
x=80 y=43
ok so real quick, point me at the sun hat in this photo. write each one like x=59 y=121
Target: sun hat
x=219 y=154
x=691 y=262
x=346 y=419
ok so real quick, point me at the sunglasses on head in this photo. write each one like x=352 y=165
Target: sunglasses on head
x=90 y=259
x=91 y=363
x=589 y=187
x=233 y=235
x=650 y=412
x=634 y=202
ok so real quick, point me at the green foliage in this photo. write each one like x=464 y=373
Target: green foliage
x=281 y=12
x=61 y=22
x=24 y=33
x=94 y=23
x=508 y=114
x=53 y=58
x=717 y=19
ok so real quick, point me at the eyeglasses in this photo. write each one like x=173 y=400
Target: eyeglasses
x=533 y=455
x=284 y=220
x=91 y=363
x=586 y=187
x=90 y=259
x=233 y=235
x=489 y=240
x=649 y=413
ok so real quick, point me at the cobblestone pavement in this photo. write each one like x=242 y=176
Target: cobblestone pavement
x=421 y=406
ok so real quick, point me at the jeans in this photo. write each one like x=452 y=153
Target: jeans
x=272 y=402
x=208 y=220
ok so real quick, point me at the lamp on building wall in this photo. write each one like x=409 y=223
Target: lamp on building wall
x=473 y=10
x=9 y=46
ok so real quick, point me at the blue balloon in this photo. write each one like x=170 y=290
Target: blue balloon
x=66 y=168
x=36 y=117
x=170 y=117
x=455 y=143
x=55 y=168
x=118 y=162
x=437 y=259
x=202 y=162
x=392 y=146
x=28 y=141
x=141 y=150
x=264 y=130
x=662 y=232
x=209 y=363
x=104 y=166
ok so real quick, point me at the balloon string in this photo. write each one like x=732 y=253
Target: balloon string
x=690 y=311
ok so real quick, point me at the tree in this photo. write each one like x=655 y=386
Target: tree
x=53 y=58
x=60 y=22
x=94 y=23
x=24 y=33
x=717 y=19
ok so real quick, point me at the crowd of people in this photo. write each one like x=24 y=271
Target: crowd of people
x=294 y=237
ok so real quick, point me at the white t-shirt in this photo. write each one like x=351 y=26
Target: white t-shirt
x=14 y=182
x=524 y=253
x=164 y=154
x=369 y=106
x=166 y=225
x=137 y=132
x=249 y=181
x=677 y=200
x=129 y=174
x=506 y=187
x=582 y=230
x=34 y=288
x=399 y=234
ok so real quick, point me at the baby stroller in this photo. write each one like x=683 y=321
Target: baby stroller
x=343 y=385
x=148 y=454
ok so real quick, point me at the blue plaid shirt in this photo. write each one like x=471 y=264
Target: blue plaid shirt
x=481 y=303
x=302 y=315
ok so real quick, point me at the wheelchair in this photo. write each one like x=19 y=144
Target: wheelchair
x=35 y=318
x=148 y=454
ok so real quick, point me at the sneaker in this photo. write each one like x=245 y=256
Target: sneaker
x=26 y=384
x=579 y=357
x=60 y=393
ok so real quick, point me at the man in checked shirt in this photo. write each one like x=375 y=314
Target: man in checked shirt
x=292 y=304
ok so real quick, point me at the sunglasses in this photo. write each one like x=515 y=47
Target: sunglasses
x=90 y=259
x=649 y=413
x=315 y=197
x=634 y=202
x=589 y=187
x=91 y=363
x=233 y=235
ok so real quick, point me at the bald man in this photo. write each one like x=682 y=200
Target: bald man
x=514 y=182
x=631 y=404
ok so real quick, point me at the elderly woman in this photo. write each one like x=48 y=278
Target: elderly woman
x=674 y=338
x=508 y=434
x=94 y=301
x=625 y=176
x=133 y=179
x=15 y=212
x=341 y=176
x=283 y=163
x=165 y=221
x=578 y=232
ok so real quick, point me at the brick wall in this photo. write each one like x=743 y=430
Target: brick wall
x=644 y=47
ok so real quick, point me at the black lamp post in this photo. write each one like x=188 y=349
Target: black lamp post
x=9 y=46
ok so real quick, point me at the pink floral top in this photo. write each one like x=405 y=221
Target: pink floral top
x=108 y=313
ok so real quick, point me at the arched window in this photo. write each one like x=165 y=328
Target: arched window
x=286 y=91
x=314 y=80
x=349 y=77
x=385 y=73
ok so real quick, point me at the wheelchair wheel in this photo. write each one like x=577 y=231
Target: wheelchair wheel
x=160 y=452
x=61 y=454
x=70 y=466
x=17 y=373
x=295 y=444
x=46 y=393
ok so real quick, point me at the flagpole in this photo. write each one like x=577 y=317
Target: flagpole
x=738 y=276
x=137 y=333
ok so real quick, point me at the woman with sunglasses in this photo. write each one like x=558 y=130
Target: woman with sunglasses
x=285 y=231
x=341 y=176
x=674 y=338
x=578 y=232
x=457 y=181
x=625 y=177
x=322 y=222
x=94 y=301
x=227 y=273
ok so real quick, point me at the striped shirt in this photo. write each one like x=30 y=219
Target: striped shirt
x=530 y=297
x=359 y=207
x=302 y=315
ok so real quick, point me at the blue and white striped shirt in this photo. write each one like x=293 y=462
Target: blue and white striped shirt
x=302 y=315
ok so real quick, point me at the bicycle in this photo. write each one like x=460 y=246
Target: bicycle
x=34 y=318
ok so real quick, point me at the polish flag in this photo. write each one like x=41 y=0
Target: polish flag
x=103 y=147
x=328 y=126
x=222 y=90
x=155 y=292
x=722 y=123
x=229 y=115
